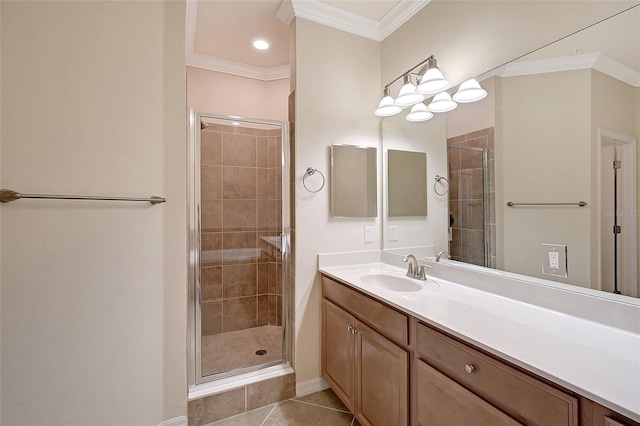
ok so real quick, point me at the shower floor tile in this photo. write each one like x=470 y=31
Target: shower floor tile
x=235 y=349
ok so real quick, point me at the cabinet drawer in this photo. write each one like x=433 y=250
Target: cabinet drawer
x=524 y=398
x=442 y=402
x=388 y=321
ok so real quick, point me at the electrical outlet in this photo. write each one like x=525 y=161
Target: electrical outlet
x=554 y=260
x=368 y=234
x=393 y=233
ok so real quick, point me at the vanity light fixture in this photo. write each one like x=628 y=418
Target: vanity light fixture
x=469 y=91
x=387 y=106
x=419 y=112
x=431 y=78
x=442 y=102
x=430 y=81
x=408 y=95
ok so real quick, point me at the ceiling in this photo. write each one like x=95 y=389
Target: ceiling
x=219 y=32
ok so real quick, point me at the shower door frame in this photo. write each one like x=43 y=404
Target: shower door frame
x=485 y=196
x=194 y=228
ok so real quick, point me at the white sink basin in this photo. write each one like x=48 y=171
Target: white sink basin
x=392 y=282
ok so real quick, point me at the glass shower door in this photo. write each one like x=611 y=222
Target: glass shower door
x=237 y=256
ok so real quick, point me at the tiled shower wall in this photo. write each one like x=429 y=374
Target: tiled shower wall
x=466 y=198
x=241 y=207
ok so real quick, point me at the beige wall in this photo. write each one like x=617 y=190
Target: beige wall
x=543 y=151
x=93 y=293
x=337 y=89
x=225 y=94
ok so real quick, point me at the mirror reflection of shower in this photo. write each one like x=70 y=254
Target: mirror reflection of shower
x=472 y=221
x=239 y=268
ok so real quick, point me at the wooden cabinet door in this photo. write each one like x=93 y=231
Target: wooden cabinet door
x=338 y=351
x=382 y=371
x=443 y=402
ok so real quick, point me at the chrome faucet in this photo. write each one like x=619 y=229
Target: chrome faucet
x=447 y=255
x=414 y=270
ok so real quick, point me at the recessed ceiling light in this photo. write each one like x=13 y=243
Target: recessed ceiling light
x=260 y=43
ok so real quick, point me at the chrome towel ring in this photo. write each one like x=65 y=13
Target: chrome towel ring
x=438 y=179
x=310 y=172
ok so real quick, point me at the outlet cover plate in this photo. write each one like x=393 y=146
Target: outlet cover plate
x=561 y=249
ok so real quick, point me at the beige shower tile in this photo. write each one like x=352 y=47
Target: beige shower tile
x=239 y=215
x=216 y=407
x=240 y=313
x=454 y=159
x=478 y=142
x=263 y=215
x=262 y=146
x=263 y=278
x=239 y=280
x=238 y=150
x=275 y=132
x=263 y=183
x=470 y=160
x=211 y=241
x=273 y=159
x=471 y=214
x=239 y=182
x=211 y=148
x=211 y=283
x=270 y=391
x=272 y=189
x=263 y=310
x=211 y=317
x=491 y=144
x=211 y=215
x=218 y=127
x=456 y=140
x=232 y=240
x=211 y=182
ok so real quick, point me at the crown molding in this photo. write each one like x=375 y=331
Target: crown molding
x=399 y=15
x=333 y=17
x=596 y=61
x=226 y=66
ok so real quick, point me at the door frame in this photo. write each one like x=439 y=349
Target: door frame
x=627 y=176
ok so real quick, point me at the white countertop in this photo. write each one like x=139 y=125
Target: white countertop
x=592 y=347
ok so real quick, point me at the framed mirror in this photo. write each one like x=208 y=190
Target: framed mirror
x=553 y=126
x=353 y=181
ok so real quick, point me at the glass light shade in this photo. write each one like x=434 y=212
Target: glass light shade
x=387 y=107
x=469 y=91
x=408 y=95
x=442 y=102
x=433 y=81
x=419 y=112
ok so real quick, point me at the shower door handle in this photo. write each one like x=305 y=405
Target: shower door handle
x=283 y=242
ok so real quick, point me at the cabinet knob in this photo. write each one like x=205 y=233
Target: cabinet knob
x=350 y=328
x=469 y=368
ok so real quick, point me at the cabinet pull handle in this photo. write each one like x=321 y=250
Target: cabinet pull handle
x=354 y=331
x=350 y=328
x=469 y=368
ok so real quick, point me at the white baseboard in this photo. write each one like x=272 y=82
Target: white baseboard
x=177 y=421
x=310 y=386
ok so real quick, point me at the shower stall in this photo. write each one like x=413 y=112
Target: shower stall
x=472 y=223
x=239 y=297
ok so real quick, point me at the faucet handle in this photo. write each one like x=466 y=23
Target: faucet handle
x=422 y=272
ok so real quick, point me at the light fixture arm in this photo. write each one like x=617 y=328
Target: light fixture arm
x=430 y=62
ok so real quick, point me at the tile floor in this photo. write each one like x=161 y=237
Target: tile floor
x=318 y=409
x=235 y=349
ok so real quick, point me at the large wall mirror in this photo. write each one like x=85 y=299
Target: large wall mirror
x=519 y=162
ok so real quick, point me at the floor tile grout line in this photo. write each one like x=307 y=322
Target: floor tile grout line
x=270 y=412
x=322 y=406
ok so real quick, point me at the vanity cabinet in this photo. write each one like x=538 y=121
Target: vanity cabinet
x=391 y=369
x=368 y=371
x=512 y=396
